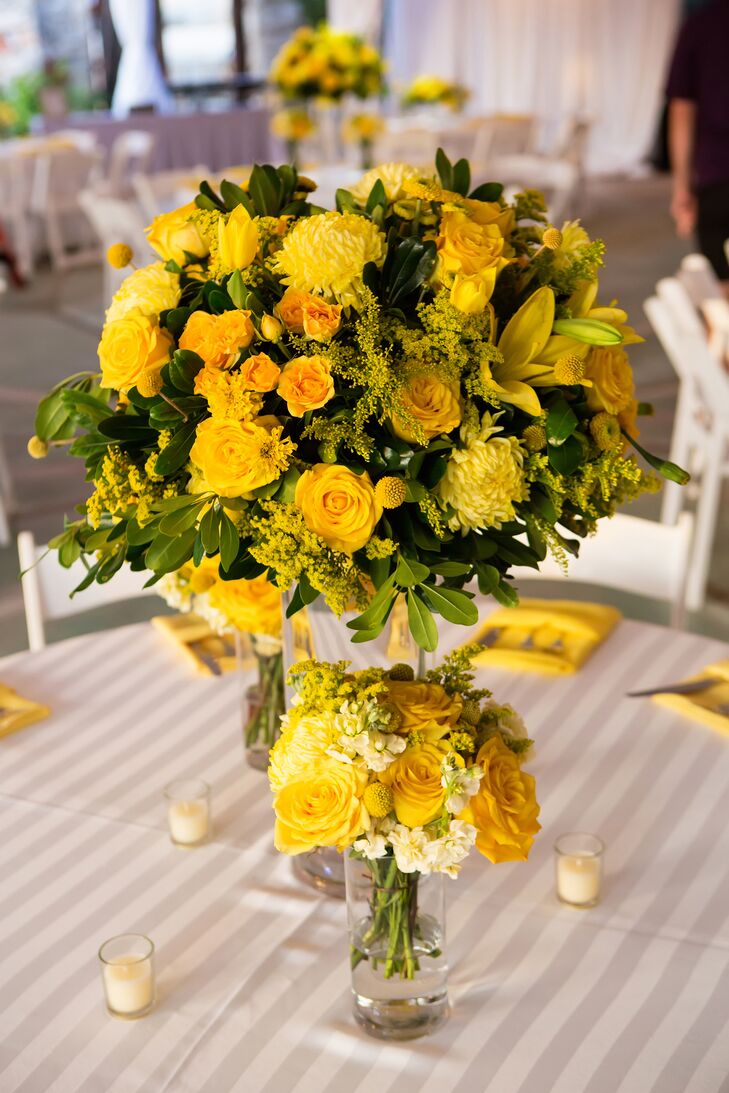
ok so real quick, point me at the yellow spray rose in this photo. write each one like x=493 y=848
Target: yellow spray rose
x=260 y=373
x=612 y=388
x=128 y=347
x=150 y=290
x=290 y=309
x=218 y=338
x=174 y=235
x=470 y=294
x=306 y=384
x=338 y=505
x=465 y=246
x=321 y=320
x=504 y=811
x=415 y=780
x=423 y=707
x=321 y=809
x=435 y=405
x=236 y=457
x=237 y=241
x=252 y=606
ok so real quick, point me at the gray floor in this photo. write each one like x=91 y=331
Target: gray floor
x=51 y=329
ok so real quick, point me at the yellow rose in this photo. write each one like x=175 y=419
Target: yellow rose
x=218 y=338
x=252 y=606
x=151 y=289
x=173 y=234
x=504 y=811
x=338 y=505
x=306 y=384
x=271 y=328
x=415 y=780
x=321 y=320
x=237 y=240
x=612 y=380
x=470 y=294
x=260 y=373
x=302 y=746
x=423 y=707
x=321 y=809
x=128 y=347
x=290 y=309
x=434 y=404
x=465 y=246
x=490 y=212
x=228 y=454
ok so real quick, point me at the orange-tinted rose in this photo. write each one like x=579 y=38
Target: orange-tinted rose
x=306 y=384
x=260 y=373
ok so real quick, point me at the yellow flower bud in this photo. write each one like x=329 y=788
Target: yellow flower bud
x=37 y=448
x=378 y=800
x=271 y=328
x=390 y=492
x=535 y=437
x=552 y=238
x=605 y=429
x=569 y=369
x=119 y=255
x=150 y=383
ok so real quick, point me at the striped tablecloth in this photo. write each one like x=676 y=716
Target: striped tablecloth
x=632 y=997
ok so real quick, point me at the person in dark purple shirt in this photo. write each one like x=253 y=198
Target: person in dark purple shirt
x=698 y=132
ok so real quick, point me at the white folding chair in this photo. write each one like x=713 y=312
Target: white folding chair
x=700 y=440
x=47 y=587
x=163 y=191
x=131 y=154
x=116 y=220
x=704 y=289
x=632 y=555
x=60 y=176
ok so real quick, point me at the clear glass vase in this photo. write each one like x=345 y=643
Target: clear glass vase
x=263 y=702
x=397 y=941
x=317 y=633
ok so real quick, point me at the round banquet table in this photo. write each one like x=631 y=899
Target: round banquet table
x=631 y=997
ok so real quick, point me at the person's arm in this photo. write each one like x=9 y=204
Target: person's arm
x=681 y=139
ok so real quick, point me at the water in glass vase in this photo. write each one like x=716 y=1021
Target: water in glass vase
x=397 y=940
x=264 y=702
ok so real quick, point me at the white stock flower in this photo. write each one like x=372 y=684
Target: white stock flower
x=408 y=846
x=460 y=784
x=376 y=748
x=444 y=855
x=372 y=845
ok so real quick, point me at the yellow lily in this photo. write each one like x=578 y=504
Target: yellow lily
x=521 y=344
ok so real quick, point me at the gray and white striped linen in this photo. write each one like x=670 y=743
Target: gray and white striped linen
x=253 y=981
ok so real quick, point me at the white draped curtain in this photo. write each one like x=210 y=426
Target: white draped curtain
x=604 y=60
x=139 y=81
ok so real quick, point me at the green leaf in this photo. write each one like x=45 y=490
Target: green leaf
x=287 y=486
x=128 y=427
x=296 y=603
x=210 y=530
x=345 y=202
x=236 y=289
x=229 y=541
x=379 y=608
x=51 y=415
x=414 y=491
x=421 y=622
x=140 y=536
x=207 y=191
x=454 y=605
x=461 y=176
x=561 y=422
x=264 y=189
x=410 y=572
x=233 y=195
x=377 y=196
x=175 y=319
x=181 y=519
x=450 y=569
x=567 y=457
x=165 y=555
x=444 y=169
x=183 y=368
x=488 y=578
x=204 y=202
x=487 y=191
x=90 y=407
x=506 y=594
x=543 y=504
x=177 y=451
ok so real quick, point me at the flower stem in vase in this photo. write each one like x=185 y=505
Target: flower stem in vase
x=265 y=701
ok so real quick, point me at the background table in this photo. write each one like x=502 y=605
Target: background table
x=632 y=997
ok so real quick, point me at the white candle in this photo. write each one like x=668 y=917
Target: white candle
x=578 y=880
x=129 y=985
x=189 y=822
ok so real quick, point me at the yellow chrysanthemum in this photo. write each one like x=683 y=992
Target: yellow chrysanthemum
x=149 y=290
x=326 y=254
x=391 y=175
x=484 y=479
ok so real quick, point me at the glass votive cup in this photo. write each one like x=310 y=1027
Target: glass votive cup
x=127 y=973
x=579 y=858
x=188 y=811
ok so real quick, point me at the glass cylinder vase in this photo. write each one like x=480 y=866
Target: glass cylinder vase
x=397 y=943
x=264 y=701
x=316 y=633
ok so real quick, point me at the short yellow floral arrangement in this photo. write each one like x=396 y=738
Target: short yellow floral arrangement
x=434 y=90
x=414 y=391
x=324 y=63
x=408 y=775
